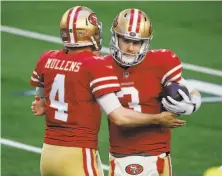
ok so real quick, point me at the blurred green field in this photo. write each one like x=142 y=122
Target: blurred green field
x=193 y=30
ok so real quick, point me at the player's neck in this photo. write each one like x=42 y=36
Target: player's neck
x=122 y=66
x=74 y=51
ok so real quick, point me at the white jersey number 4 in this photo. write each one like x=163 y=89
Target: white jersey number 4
x=59 y=86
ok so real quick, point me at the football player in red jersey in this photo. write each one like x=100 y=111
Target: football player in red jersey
x=142 y=74
x=74 y=82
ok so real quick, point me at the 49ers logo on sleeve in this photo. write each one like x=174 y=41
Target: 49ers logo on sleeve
x=93 y=19
x=134 y=169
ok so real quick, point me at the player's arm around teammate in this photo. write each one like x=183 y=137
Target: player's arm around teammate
x=122 y=116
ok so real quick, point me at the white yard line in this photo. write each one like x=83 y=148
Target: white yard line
x=211 y=99
x=201 y=69
x=30 y=148
x=206 y=87
x=53 y=39
x=38 y=36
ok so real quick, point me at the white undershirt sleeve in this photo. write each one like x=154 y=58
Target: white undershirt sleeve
x=109 y=102
x=40 y=92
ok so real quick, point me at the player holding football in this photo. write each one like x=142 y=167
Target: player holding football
x=74 y=82
x=143 y=74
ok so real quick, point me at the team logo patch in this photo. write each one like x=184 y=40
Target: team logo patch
x=93 y=19
x=134 y=169
x=126 y=75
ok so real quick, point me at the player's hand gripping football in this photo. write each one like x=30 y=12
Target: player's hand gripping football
x=38 y=106
x=184 y=107
x=169 y=120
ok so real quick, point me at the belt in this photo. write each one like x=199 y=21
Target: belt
x=117 y=155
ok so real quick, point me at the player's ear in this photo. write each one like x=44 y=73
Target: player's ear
x=37 y=98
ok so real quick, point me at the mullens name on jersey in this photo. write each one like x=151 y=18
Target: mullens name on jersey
x=65 y=65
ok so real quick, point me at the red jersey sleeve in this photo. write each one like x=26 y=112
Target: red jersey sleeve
x=103 y=79
x=37 y=75
x=172 y=68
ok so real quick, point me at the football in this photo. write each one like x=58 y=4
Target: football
x=172 y=90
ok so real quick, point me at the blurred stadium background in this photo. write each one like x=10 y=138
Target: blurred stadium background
x=193 y=30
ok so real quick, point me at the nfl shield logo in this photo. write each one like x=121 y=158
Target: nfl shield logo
x=125 y=75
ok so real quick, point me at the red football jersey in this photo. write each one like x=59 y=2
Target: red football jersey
x=141 y=86
x=71 y=84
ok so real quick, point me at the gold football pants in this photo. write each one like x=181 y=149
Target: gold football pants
x=69 y=161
